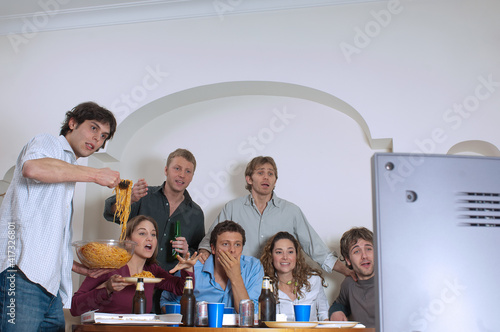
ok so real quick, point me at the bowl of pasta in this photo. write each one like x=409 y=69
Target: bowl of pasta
x=104 y=254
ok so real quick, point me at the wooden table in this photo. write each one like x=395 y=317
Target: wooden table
x=144 y=328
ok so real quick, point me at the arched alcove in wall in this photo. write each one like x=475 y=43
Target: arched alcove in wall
x=475 y=147
x=194 y=95
x=324 y=149
x=323 y=152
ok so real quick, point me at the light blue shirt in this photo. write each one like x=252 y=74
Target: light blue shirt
x=35 y=221
x=279 y=215
x=207 y=289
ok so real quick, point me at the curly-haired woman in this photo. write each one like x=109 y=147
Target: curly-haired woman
x=293 y=279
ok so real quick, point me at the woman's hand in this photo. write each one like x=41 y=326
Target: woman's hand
x=185 y=263
x=116 y=283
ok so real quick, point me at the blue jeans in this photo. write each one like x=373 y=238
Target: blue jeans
x=26 y=306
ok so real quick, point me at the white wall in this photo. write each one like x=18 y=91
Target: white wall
x=422 y=58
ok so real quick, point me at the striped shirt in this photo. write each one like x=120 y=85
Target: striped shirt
x=35 y=221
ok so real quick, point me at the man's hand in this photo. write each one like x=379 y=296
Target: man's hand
x=230 y=264
x=338 y=316
x=180 y=245
x=342 y=268
x=203 y=255
x=83 y=270
x=139 y=190
x=107 y=177
x=50 y=170
x=80 y=268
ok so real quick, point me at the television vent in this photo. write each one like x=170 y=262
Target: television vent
x=479 y=209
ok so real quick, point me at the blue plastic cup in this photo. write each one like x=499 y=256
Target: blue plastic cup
x=215 y=314
x=173 y=309
x=302 y=312
x=229 y=310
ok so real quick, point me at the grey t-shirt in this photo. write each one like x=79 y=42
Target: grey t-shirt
x=357 y=300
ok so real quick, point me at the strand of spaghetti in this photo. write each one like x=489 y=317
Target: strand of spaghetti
x=123 y=199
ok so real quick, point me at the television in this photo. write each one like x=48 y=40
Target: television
x=437 y=242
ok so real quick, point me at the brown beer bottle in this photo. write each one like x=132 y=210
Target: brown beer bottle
x=139 y=303
x=267 y=303
x=188 y=303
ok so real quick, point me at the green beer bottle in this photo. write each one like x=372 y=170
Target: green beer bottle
x=176 y=232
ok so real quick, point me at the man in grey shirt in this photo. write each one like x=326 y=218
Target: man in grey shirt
x=262 y=214
x=357 y=299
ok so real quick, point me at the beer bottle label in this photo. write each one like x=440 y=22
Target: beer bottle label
x=189 y=283
x=266 y=284
x=140 y=285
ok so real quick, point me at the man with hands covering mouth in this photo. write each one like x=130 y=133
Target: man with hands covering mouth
x=227 y=276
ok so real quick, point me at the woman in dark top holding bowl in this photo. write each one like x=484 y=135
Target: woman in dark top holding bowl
x=113 y=292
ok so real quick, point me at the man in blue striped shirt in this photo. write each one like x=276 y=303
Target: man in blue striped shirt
x=36 y=257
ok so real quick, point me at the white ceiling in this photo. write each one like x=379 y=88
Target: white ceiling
x=30 y=16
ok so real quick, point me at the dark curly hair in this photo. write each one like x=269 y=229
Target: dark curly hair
x=226 y=226
x=89 y=111
x=301 y=272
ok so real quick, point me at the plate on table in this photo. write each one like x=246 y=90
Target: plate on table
x=130 y=319
x=146 y=280
x=291 y=324
x=336 y=324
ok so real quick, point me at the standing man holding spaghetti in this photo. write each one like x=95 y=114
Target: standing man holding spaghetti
x=168 y=204
x=36 y=257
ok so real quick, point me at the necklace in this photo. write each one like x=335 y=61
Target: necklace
x=294 y=290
